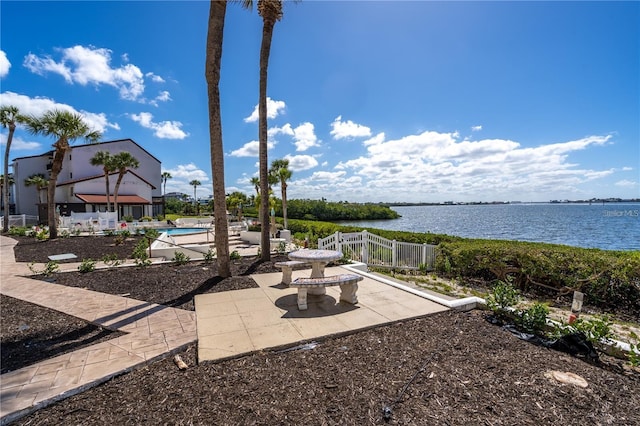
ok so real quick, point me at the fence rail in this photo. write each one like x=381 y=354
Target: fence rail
x=378 y=251
x=21 y=220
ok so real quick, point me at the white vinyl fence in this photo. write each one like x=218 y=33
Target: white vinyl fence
x=381 y=252
x=21 y=220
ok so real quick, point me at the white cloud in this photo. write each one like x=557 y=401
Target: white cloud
x=163 y=96
x=304 y=137
x=37 y=106
x=627 y=169
x=90 y=65
x=476 y=128
x=155 y=78
x=284 y=130
x=182 y=174
x=627 y=183
x=299 y=163
x=162 y=129
x=348 y=129
x=274 y=108
x=435 y=165
x=19 y=144
x=4 y=64
x=250 y=149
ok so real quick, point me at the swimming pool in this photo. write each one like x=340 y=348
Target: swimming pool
x=182 y=231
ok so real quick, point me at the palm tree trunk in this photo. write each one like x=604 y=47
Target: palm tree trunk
x=265 y=50
x=115 y=195
x=217 y=12
x=106 y=178
x=5 y=186
x=56 y=167
x=284 y=205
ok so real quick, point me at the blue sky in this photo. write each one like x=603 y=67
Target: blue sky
x=370 y=101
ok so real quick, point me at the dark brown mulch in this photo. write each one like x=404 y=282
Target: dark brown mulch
x=93 y=247
x=446 y=369
x=30 y=333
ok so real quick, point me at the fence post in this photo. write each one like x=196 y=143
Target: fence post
x=24 y=220
x=394 y=255
x=365 y=247
x=424 y=255
x=338 y=243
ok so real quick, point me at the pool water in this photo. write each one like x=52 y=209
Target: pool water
x=182 y=231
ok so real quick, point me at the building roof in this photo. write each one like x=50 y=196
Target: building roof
x=102 y=199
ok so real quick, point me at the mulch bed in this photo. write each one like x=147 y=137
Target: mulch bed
x=445 y=369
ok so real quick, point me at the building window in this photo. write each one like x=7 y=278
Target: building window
x=70 y=175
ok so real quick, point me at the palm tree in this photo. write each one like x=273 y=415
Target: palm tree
x=280 y=169
x=39 y=181
x=9 y=117
x=9 y=182
x=217 y=12
x=164 y=177
x=66 y=127
x=104 y=159
x=122 y=162
x=271 y=12
x=196 y=183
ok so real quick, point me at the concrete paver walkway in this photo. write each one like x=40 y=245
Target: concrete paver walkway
x=152 y=331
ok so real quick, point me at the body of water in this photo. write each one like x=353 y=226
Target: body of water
x=612 y=226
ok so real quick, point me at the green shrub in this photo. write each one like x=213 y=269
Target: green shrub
x=235 y=255
x=18 y=231
x=49 y=269
x=534 y=318
x=146 y=219
x=503 y=297
x=87 y=265
x=127 y=218
x=209 y=256
x=595 y=328
x=111 y=260
x=179 y=258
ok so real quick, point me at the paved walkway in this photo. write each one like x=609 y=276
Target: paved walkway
x=153 y=331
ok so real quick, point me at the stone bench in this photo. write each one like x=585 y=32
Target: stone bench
x=287 y=268
x=348 y=287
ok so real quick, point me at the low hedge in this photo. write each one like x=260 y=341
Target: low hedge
x=609 y=279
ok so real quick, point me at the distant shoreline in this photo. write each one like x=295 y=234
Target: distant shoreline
x=492 y=203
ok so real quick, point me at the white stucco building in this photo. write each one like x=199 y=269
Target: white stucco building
x=81 y=186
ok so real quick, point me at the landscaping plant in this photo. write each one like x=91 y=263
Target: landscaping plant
x=87 y=265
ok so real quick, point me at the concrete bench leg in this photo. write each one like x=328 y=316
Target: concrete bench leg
x=348 y=293
x=302 y=299
x=286 y=275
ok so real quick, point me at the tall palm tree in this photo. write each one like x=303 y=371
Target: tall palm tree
x=271 y=12
x=165 y=176
x=196 y=183
x=65 y=127
x=217 y=12
x=104 y=159
x=39 y=181
x=9 y=118
x=122 y=162
x=280 y=169
x=255 y=181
